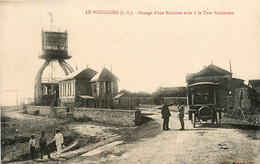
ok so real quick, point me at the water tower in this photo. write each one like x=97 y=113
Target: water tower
x=54 y=50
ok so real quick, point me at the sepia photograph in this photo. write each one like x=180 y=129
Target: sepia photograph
x=144 y=82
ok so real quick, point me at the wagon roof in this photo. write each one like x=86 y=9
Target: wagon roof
x=203 y=83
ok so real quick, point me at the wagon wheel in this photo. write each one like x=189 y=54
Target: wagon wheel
x=218 y=119
x=193 y=120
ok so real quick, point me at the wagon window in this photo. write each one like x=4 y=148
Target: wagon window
x=202 y=96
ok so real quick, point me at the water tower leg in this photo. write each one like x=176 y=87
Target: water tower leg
x=69 y=67
x=62 y=65
x=38 y=86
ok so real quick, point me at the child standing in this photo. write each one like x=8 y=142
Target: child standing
x=32 y=144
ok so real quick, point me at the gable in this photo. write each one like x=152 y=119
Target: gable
x=213 y=70
x=106 y=75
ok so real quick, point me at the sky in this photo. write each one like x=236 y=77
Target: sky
x=145 y=52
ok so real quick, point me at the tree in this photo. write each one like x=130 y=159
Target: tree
x=158 y=96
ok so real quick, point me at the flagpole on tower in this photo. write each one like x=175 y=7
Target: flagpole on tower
x=51 y=19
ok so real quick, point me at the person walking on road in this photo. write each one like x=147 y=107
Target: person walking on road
x=43 y=145
x=181 y=114
x=59 y=142
x=32 y=144
x=165 y=116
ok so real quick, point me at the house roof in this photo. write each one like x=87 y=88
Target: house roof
x=105 y=75
x=86 y=73
x=254 y=82
x=213 y=70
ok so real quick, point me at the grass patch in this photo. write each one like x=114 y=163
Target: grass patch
x=15 y=135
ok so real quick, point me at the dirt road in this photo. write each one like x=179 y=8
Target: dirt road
x=147 y=144
x=207 y=144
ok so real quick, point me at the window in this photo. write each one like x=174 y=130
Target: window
x=64 y=89
x=69 y=88
x=108 y=87
x=59 y=89
x=72 y=88
x=45 y=90
x=95 y=88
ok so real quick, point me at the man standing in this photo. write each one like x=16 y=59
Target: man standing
x=59 y=141
x=43 y=145
x=181 y=114
x=165 y=116
x=32 y=144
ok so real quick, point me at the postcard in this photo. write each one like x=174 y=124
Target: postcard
x=130 y=81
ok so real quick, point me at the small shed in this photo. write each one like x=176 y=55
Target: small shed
x=85 y=101
x=123 y=101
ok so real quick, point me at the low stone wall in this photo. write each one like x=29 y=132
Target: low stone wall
x=43 y=110
x=110 y=116
x=47 y=111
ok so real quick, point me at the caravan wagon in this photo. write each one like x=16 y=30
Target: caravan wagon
x=203 y=102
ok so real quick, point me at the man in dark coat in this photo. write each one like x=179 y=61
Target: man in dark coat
x=43 y=145
x=165 y=116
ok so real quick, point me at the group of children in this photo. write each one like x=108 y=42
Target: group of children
x=58 y=138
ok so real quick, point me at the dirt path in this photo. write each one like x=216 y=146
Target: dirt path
x=194 y=145
x=207 y=144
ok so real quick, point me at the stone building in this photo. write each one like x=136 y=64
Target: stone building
x=211 y=73
x=247 y=99
x=227 y=84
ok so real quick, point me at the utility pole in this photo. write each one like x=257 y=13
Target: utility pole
x=16 y=95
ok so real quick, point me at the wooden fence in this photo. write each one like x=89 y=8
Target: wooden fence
x=122 y=103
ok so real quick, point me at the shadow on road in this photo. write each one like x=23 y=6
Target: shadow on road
x=239 y=126
x=229 y=126
x=195 y=129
